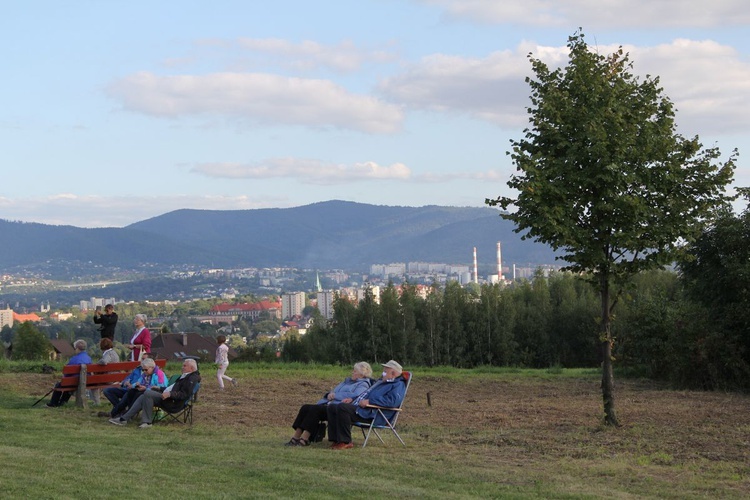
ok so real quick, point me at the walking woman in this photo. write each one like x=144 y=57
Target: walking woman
x=222 y=359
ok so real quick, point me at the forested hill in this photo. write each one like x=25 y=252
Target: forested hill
x=333 y=234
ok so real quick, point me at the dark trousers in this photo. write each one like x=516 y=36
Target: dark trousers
x=340 y=418
x=59 y=398
x=126 y=401
x=114 y=394
x=309 y=416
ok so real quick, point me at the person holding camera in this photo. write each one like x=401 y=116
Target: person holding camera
x=107 y=321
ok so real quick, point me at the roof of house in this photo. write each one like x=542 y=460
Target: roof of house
x=25 y=317
x=182 y=345
x=263 y=305
x=63 y=347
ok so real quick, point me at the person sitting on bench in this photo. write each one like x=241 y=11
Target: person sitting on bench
x=144 y=377
x=81 y=357
x=170 y=399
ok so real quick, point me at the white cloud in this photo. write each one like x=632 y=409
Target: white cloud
x=323 y=173
x=308 y=55
x=305 y=171
x=491 y=88
x=598 y=14
x=258 y=97
x=708 y=82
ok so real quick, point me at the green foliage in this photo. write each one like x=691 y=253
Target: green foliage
x=604 y=176
x=717 y=280
x=30 y=344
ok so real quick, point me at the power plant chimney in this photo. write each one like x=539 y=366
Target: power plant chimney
x=476 y=275
x=499 y=264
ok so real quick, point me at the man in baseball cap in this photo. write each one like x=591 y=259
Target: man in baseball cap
x=387 y=392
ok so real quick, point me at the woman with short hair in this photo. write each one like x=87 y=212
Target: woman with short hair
x=310 y=416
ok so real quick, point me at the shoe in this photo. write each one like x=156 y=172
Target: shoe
x=303 y=442
x=334 y=444
x=343 y=446
x=104 y=414
x=50 y=405
x=144 y=425
x=292 y=442
x=117 y=421
x=234 y=382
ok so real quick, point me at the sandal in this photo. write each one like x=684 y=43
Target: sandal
x=292 y=442
x=303 y=442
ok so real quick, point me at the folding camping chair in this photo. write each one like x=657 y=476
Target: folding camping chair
x=185 y=414
x=389 y=424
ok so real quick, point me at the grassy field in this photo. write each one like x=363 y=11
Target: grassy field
x=486 y=434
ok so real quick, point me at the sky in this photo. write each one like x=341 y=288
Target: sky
x=115 y=112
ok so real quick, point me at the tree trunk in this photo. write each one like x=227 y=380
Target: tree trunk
x=608 y=378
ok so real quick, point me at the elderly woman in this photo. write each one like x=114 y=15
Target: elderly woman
x=149 y=376
x=109 y=355
x=141 y=340
x=309 y=416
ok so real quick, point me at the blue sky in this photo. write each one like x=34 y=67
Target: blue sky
x=114 y=112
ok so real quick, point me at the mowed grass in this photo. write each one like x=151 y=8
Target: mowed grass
x=484 y=434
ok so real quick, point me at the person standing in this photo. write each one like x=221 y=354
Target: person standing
x=107 y=321
x=222 y=359
x=141 y=340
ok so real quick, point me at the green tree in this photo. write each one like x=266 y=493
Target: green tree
x=718 y=278
x=605 y=178
x=30 y=343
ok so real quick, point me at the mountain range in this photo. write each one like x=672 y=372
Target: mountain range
x=325 y=235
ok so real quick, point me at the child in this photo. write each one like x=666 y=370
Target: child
x=223 y=361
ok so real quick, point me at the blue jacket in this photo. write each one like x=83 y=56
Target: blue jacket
x=388 y=393
x=82 y=358
x=347 y=389
x=133 y=377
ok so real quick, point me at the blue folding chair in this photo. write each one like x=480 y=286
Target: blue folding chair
x=389 y=423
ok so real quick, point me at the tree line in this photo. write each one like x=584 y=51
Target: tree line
x=689 y=325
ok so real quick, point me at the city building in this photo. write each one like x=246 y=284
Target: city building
x=6 y=317
x=325 y=303
x=292 y=304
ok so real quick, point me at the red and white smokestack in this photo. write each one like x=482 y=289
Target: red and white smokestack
x=499 y=264
x=476 y=275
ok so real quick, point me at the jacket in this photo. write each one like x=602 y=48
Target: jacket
x=133 y=377
x=388 y=393
x=143 y=338
x=107 y=323
x=82 y=358
x=109 y=356
x=181 y=391
x=157 y=379
x=347 y=389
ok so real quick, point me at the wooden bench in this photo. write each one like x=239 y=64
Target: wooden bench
x=80 y=378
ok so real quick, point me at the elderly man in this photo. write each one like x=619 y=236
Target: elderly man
x=170 y=399
x=388 y=392
x=81 y=357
